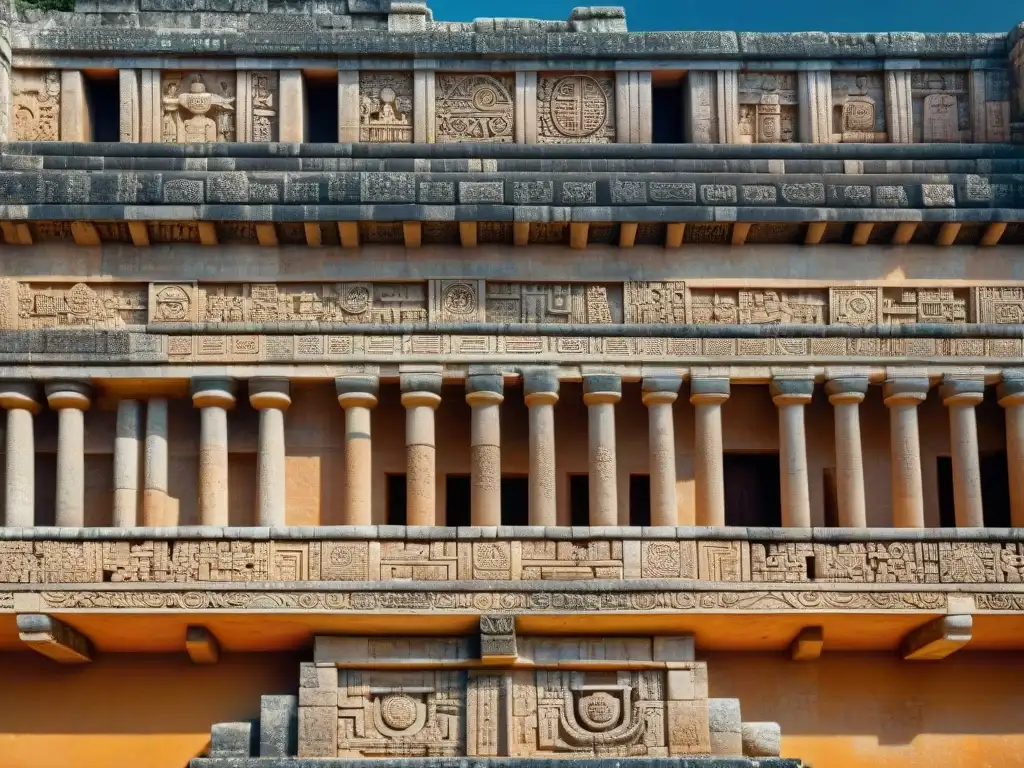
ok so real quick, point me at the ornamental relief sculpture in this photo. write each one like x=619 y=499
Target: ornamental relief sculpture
x=200 y=107
x=858 y=104
x=767 y=108
x=576 y=109
x=35 y=107
x=941 y=107
x=475 y=108
x=385 y=107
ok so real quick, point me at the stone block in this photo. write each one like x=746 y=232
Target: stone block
x=681 y=648
x=279 y=726
x=688 y=732
x=724 y=715
x=762 y=739
x=232 y=740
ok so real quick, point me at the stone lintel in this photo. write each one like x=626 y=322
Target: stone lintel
x=54 y=639
x=938 y=638
x=202 y=646
x=808 y=644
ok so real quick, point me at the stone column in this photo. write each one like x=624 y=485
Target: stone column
x=70 y=400
x=357 y=395
x=271 y=397
x=961 y=396
x=659 y=393
x=74 y=114
x=421 y=395
x=707 y=396
x=540 y=391
x=790 y=396
x=485 y=394
x=213 y=398
x=21 y=401
x=846 y=395
x=126 y=464
x=899 y=112
x=1011 y=398
x=291 y=89
x=815 y=106
x=902 y=396
x=154 y=482
x=600 y=393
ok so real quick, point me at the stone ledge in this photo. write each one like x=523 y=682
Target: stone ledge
x=496 y=762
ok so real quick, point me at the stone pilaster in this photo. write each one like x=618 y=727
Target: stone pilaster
x=21 y=401
x=485 y=394
x=707 y=394
x=600 y=393
x=348 y=106
x=902 y=396
x=271 y=397
x=961 y=396
x=659 y=394
x=126 y=463
x=701 y=112
x=791 y=396
x=424 y=86
x=292 y=115
x=357 y=395
x=421 y=395
x=526 y=108
x=74 y=115
x=540 y=390
x=815 y=106
x=899 y=112
x=130 y=118
x=155 y=474
x=728 y=106
x=214 y=398
x=846 y=394
x=6 y=14
x=71 y=400
x=1011 y=398
x=633 y=101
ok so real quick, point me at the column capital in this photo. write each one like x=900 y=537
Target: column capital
x=705 y=390
x=1011 y=388
x=425 y=381
x=847 y=389
x=909 y=391
x=962 y=391
x=68 y=394
x=795 y=391
x=661 y=388
x=213 y=392
x=540 y=386
x=484 y=386
x=600 y=388
x=269 y=393
x=19 y=394
x=357 y=390
x=421 y=398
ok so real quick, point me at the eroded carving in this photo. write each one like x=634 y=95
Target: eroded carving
x=767 y=108
x=576 y=109
x=941 y=107
x=474 y=108
x=77 y=306
x=553 y=303
x=385 y=107
x=858 y=108
x=758 y=307
x=199 y=107
x=35 y=108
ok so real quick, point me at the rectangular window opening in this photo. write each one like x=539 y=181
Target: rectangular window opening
x=640 y=500
x=515 y=500
x=396 y=500
x=579 y=500
x=321 y=108
x=457 y=501
x=831 y=493
x=103 y=106
x=752 y=490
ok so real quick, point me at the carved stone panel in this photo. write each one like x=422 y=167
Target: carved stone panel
x=767 y=108
x=576 y=109
x=35 y=105
x=1002 y=305
x=858 y=103
x=262 y=107
x=655 y=302
x=76 y=306
x=923 y=305
x=475 y=108
x=553 y=303
x=385 y=107
x=941 y=107
x=200 y=107
x=758 y=306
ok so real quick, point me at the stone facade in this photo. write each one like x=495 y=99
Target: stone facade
x=364 y=358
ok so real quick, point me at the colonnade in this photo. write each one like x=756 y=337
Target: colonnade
x=146 y=423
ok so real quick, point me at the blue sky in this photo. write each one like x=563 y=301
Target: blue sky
x=766 y=15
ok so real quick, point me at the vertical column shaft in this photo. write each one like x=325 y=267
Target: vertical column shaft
x=70 y=400
x=707 y=396
x=421 y=395
x=961 y=396
x=1011 y=398
x=485 y=393
x=846 y=395
x=357 y=395
x=600 y=394
x=899 y=107
x=126 y=464
x=155 y=474
x=540 y=389
x=20 y=400
x=791 y=396
x=902 y=396
x=815 y=106
x=213 y=398
x=271 y=397
x=659 y=394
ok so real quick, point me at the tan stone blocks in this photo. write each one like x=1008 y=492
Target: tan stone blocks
x=688 y=732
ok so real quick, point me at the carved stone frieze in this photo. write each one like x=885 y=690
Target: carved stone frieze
x=576 y=108
x=941 y=107
x=385 y=107
x=475 y=108
x=858 y=103
x=553 y=303
x=35 y=105
x=199 y=107
x=767 y=108
x=758 y=307
x=71 y=307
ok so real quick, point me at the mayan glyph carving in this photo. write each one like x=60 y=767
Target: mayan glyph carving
x=767 y=108
x=475 y=108
x=923 y=305
x=576 y=109
x=35 y=105
x=1002 y=306
x=263 y=87
x=385 y=107
x=941 y=107
x=758 y=307
x=996 y=106
x=199 y=107
x=27 y=306
x=655 y=302
x=858 y=103
x=553 y=303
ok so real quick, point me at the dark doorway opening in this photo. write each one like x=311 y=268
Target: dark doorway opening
x=667 y=114
x=515 y=500
x=103 y=104
x=579 y=500
x=752 y=490
x=457 y=501
x=995 y=490
x=321 y=110
x=639 y=499
x=396 y=500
